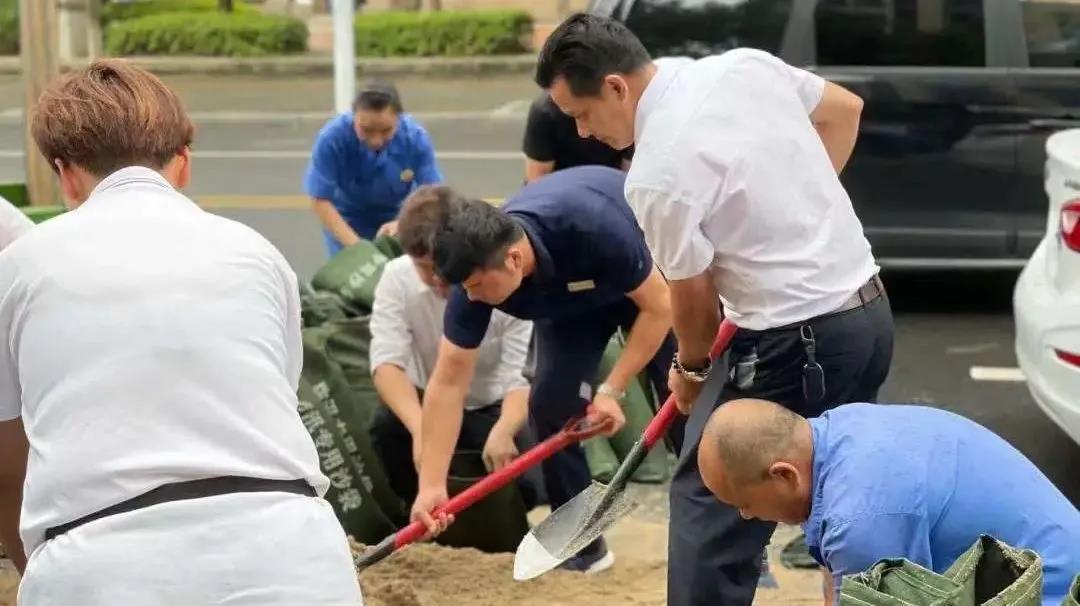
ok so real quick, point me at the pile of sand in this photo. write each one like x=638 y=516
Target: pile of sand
x=432 y=575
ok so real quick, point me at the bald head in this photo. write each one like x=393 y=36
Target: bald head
x=753 y=455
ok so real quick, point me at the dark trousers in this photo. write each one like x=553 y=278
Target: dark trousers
x=392 y=443
x=567 y=354
x=714 y=556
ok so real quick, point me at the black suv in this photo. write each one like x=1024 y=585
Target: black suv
x=960 y=97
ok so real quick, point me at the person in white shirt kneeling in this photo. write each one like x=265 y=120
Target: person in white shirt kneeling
x=406 y=328
x=148 y=380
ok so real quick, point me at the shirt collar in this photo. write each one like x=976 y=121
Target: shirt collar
x=130 y=175
x=654 y=93
x=545 y=267
x=819 y=428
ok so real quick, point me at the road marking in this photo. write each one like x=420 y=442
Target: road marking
x=264 y=154
x=997 y=373
x=970 y=349
x=511 y=109
x=508 y=111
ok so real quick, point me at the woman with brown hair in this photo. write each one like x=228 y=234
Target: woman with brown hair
x=148 y=379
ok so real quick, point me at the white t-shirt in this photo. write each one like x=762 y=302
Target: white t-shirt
x=147 y=342
x=729 y=176
x=13 y=223
x=407 y=325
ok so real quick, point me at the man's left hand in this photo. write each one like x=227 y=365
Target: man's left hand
x=607 y=409
x=387 y=229
x=499 y=449
x=685 y=392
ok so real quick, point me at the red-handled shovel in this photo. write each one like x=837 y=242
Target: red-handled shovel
x=584 y=518
x=576 y=430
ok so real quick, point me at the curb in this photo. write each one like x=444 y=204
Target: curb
x=314 y=65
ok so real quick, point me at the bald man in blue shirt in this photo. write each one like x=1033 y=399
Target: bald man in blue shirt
x=364 y=164
x=869 y=482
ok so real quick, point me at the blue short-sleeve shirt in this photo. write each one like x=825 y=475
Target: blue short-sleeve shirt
x=921 y=483
x=365 y=186
x=589 y=249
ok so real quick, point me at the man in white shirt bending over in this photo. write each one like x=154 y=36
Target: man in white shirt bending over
x=13 y=223
x=148 y=380
x=406 y=328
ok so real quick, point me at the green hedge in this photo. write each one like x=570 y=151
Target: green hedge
x=217 y=34
x=451 y=33
x=114 y=11
x=9 y=27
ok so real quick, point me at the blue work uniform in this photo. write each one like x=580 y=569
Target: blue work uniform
x=590 y=253
x=367 y=187
x=921 y=483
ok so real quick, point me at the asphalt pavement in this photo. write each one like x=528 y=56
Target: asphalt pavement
x=255 y=134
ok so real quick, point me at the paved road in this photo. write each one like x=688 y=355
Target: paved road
x=255 y=133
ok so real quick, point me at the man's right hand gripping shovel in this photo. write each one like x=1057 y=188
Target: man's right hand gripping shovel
x=433 y=512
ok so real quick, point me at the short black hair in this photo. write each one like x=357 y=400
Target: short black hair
x=377 y=95
x=475 y=236
x=586 y=48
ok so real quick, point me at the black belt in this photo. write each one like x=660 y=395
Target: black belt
x=867 y=292
x=193 y=489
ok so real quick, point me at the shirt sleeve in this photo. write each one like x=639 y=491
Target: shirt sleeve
x=673 y=232
x=853 y=546
x=807 y=85
x=427 y=169
x=10 y=388
x=538 y=143
x=13 y=223
x=514 y=349
x=391 y=335
x=321 y=178
x=465 y=322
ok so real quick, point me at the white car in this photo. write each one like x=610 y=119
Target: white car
x=1046 y=301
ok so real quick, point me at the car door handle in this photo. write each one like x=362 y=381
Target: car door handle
x=1054 y=123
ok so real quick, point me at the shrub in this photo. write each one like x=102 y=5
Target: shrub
x=447 y=33
x=114 y=11
x=207 y=33
x=9 y=27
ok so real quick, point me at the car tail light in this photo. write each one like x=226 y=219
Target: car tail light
x=1070 y=224
x=1068 y=357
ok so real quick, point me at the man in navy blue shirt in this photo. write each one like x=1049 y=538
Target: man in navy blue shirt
x=566 y=253
x=364 y=164
x=869 y=482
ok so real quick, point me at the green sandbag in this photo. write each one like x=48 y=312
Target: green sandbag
x=494 y=524
x=389 y=246
x=348 y=344
x=320 y=307
x=1073 y=599
x=989 y=573
x=601 y=458
x=350 y=413
x=353 y=273
x=639 y=408
x=350 y=487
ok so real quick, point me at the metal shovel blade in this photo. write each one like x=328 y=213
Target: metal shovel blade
x=569 y=529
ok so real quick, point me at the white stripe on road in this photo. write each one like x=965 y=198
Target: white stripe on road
x=997 y=373
x=262 y=154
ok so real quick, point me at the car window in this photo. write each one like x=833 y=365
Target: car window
x=697 y=28
x=1053 y=33
x=900 y=32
